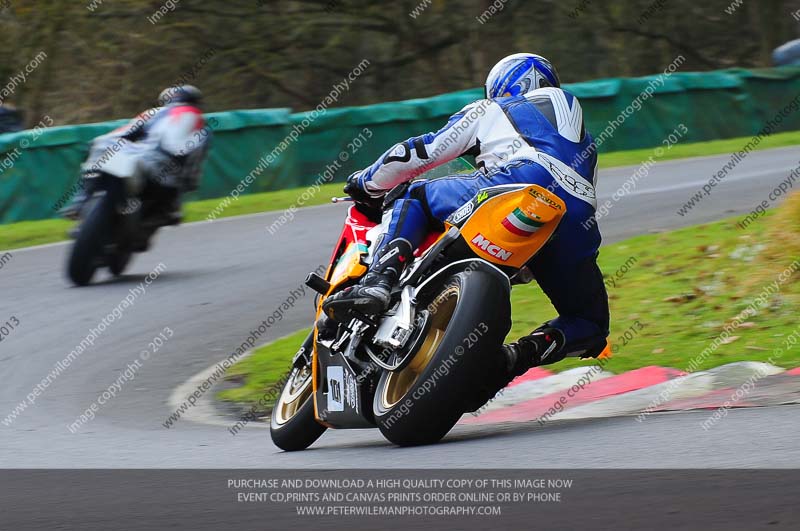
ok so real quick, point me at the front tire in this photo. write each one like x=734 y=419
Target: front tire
x=419 y=404
x=292 y=424
x=94 y=235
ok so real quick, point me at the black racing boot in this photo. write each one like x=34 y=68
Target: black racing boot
x=541 y=347
x=170 y=206
x=371 y=295
x=175 y=210
x=326 y=327
x=73 y=208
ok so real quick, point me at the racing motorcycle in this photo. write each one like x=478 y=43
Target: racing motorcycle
x=119 y=211
x=414 y=370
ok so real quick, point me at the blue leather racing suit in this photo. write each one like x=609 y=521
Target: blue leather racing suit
x=535 y=138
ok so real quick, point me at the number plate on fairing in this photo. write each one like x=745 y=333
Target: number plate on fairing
x=343 y=400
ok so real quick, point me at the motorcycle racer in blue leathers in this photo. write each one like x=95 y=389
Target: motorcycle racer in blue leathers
x=527 y=130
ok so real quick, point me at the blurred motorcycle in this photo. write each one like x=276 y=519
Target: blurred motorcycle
x=120 y=209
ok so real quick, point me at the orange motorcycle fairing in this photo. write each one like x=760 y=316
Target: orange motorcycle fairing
x=347 y=265
x=506 y=229
x=509 y=228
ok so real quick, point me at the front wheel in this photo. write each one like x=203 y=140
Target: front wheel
x=469 y=318
x=94 y=234
x=292 y=423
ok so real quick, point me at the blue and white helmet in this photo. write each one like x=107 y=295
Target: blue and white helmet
x=519 y=74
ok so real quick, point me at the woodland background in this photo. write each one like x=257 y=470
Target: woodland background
x=106 y=60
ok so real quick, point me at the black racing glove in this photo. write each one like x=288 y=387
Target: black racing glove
x=354 y=189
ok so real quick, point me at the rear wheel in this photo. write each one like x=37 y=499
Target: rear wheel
x=292 y=424
x=93 y=236
x=118 y=261
x=469 y=318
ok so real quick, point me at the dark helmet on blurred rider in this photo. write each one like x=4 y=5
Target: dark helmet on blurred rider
x=185 y=94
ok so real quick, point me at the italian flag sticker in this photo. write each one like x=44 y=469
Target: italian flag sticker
x=520 y=224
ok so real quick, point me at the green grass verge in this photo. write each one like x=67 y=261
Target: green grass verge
x=15 y=235
x=682 y=286
x=698 y=149
x=262 y=369
x=26 y=233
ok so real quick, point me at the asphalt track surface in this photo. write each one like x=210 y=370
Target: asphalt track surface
x=223 y=278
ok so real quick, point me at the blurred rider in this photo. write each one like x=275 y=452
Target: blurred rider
x=169 y=142
x=530 y=131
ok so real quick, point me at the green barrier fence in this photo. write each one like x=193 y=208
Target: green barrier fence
x=279 y=149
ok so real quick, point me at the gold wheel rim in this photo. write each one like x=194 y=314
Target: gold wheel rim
x=398 y=383
x=295 y=393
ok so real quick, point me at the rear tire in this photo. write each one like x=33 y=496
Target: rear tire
x=421 y=403
x=94 y=235
x=118 y=261
x=292 y=424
